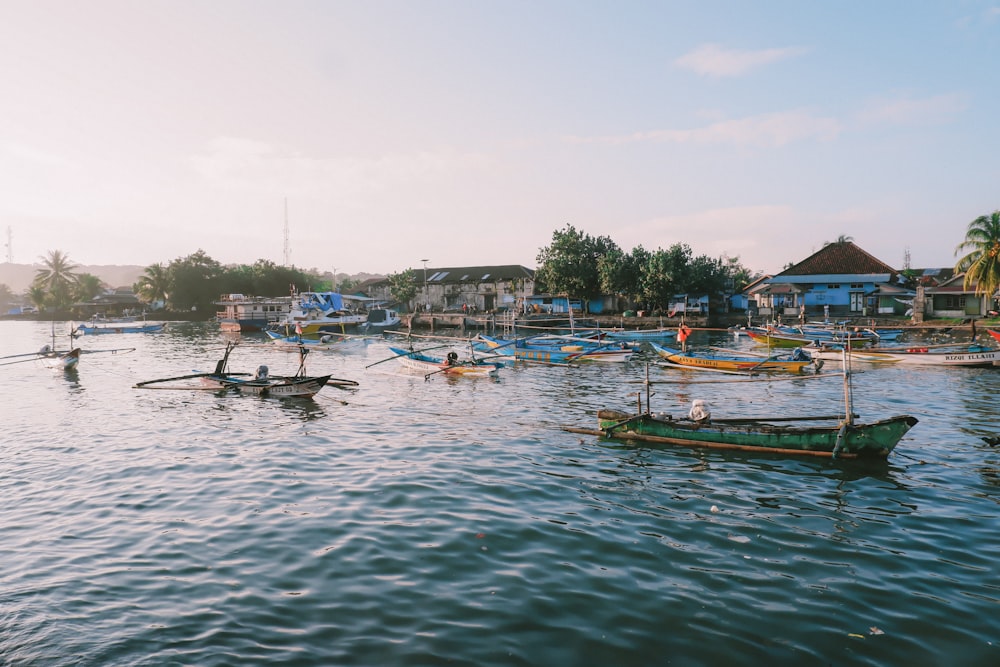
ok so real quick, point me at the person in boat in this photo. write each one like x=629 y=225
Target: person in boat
x=451 y=359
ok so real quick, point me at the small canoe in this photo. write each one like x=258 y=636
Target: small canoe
x=795 y=362
x=835 y=440
x=448 y=365
x=118 y=328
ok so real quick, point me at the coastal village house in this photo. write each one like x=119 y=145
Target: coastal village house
x=951 y=299
x=477 y=288
x=839 y=280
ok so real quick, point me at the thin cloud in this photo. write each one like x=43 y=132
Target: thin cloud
x=903 y=110
x=235 y=163
x=774 y=129
x=714 y=60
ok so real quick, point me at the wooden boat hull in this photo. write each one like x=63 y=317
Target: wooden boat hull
x=62 y=360
x=975 y=356
x=118 y=328
x=781 y=339
x=729 y=362
x=275 y=387
x=871 y=440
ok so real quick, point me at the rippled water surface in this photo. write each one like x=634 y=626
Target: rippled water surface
x=413 y=522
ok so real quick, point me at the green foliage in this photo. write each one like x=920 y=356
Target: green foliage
x=87 y=287
x=402 y=285
x=6 y=297
x=265 y=278
x=570 y=265
x=154 y=285
x=196 y=282
x=579 y=265
x=55 y=281
x=981 y=263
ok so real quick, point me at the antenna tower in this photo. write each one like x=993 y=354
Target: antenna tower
x=286 y=257
x=9 y=245
x=906 y=259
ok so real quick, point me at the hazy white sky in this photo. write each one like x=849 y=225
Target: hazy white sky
x=466 y=131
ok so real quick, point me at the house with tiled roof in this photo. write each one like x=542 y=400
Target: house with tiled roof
x=953 y=299
x=477 y=288
x=839 y=280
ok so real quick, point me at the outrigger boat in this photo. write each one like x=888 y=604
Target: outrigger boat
x=50 y=357
x=558 y=349
x=93 y=328
x=833 y=436
x=972 y=355
x=416 y=360
x=795 y=362
x=261 y=383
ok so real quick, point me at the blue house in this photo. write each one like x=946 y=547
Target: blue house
x=839 y=280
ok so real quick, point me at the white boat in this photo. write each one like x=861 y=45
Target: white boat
x=950 y=355
x=319 y=312
x=381 y=319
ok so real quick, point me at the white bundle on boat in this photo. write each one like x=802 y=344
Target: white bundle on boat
x=699 y=410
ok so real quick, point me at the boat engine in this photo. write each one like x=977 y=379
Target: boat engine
x=261 y=373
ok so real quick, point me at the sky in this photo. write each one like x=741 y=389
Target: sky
x=466 y=132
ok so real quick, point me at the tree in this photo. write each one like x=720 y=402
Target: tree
x=843 y=238
x=57 y=279
x=6 y=297
x=663 y=274
x=38 y=296
x=981 y=263
x=570 y=264
x=195 y=281
x=403 y=285
x=621 y=273
x=154 y=284
x=87 y=287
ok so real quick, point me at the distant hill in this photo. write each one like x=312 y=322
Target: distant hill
x=18 y=277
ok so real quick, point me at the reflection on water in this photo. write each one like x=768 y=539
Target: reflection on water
x=420 y=522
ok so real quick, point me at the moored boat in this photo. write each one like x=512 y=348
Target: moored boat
x=319 y=312
x=94 y=328
x=420 y=361
x=260 y=383
x=950 y=354
x=840 y=439
x=242 y=313
x=795 y=362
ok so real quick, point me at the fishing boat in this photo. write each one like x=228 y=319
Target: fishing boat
x=795 y=362
x=241 y=313
x=558 y=349
x=315 y=342
x=785 y=337
x=94 y=327
x=640 y=335
x=59 y=360
x=836 y=439
x=995 y=333
x=319 y=312
x=973 y=355
x=381 y=319
x=260 y=383
x=834 y=436
x=420 y=361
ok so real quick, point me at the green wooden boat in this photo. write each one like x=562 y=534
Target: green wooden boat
x=843 y=439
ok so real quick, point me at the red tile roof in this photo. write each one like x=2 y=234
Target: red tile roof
x=838 y=258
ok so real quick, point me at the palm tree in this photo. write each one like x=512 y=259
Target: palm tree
x=843 y=238
x=57 y=278
x=981 y=263
x=88 y=286
x=154 y=284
